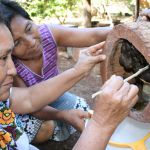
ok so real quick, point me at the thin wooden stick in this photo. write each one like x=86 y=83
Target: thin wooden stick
x=95 y=94
x=125 y=80
x=136 y=74
x=91 y=112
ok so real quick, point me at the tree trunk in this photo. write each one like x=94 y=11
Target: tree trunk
x=137 y=7
x=87 y=12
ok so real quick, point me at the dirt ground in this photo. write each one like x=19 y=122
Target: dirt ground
x=85 y=88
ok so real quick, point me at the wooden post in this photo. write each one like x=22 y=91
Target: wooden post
x=108 y=14
x=137 y=9
x=87 y=12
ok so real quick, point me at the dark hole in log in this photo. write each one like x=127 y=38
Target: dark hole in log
x=132 y=60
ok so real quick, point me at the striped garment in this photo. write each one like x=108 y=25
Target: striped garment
x=30 y=124
x=49 y=69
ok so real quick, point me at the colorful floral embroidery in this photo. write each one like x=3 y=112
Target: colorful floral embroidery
x=9 y=131
x=6 y=117
x=5 y=138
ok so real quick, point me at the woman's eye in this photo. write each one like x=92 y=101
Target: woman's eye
x=17 y=43
x=29 y=28
x=4 y=58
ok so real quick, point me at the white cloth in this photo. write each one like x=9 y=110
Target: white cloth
x=23 y=143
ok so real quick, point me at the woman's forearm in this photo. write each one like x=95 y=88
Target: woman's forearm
x=94 y=137
x=49 y=113
x=36 y=97
x=54 y=87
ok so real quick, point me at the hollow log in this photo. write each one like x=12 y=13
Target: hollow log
x=137 y=35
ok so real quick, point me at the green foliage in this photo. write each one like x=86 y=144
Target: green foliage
x=50 y=8
x=61 y=9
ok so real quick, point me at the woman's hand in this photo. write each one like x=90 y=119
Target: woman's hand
x=75 y=118
x=111 y=107
x=115 y=102
x=89 y=57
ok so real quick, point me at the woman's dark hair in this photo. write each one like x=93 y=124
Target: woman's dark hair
x=10 y=9
x=1 y=18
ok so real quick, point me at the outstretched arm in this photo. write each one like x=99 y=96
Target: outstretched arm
x=78 y=37
x=28 y=100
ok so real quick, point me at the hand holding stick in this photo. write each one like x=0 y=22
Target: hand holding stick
x=126 y=80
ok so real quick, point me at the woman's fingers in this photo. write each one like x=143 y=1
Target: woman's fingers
x=93 y=49
x=98 y=59
x=115 y=83
x=124 y=89
x=98 y=52
x=132 y=95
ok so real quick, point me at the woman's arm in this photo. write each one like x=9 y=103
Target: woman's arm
x=94 y=137
x=77 y=37
x=46 y=113
x=73 y=117
x=31 y=99
x=28 y=100
x=111 y=107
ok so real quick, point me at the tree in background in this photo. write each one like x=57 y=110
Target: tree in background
x=87 y=13
x=50 y=8
x=61 y=9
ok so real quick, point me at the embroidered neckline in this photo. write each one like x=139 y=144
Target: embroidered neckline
x=9 y=131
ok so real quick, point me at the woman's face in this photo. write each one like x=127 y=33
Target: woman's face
x=7 y=68
x=26 y=38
